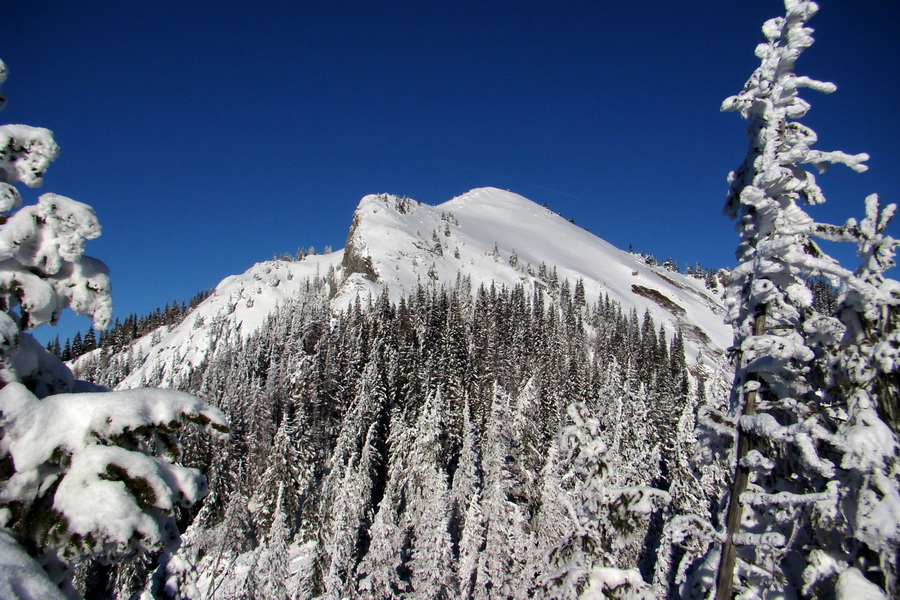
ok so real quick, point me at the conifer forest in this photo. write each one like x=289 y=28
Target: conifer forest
x=414 y=447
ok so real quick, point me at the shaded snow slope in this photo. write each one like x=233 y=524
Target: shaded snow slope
x=489 y=235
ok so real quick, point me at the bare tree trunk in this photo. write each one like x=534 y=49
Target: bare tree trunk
x=725 y=576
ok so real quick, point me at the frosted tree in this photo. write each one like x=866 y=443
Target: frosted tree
x=177 y=574
x=471 y=546
x=466 y=480
x=349 y=515
x=503 y=560
x=627 y=428
x=381 y=568
x=272 y=562
x=857 y=350
x=530 y=451
x=816 y=465
x=687 y=532
x=602 y=519
x=428 y=509
x=43 y=269
x=349 y=485
x=278 y=487
x=86 y=475
x=232 y=537
x=551 y=521
x=465 y=495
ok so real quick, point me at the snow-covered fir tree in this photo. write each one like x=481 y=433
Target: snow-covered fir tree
x=271 y=566
x=813 y=392
x=602 y=519
x=88 y=474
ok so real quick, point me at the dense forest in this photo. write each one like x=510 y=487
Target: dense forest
x=124 y=331
x=413 y=449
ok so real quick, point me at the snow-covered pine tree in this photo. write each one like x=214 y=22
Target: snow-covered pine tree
x=466 y=477
x=233 y=536
x=502 y=562
x=471 y=547
x=86 y=475
x=602 y=519
x=466 y=526
x=686 y=533
x=428 y=509
x=349 y=486
x=820 y=464
x=857 y=350
x=177 y=575
x=383 y=571
x=627 y=429
x=278 y=486
x=551 y=523
x=272 y=563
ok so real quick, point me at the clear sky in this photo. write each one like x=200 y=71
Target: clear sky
x=212 y=135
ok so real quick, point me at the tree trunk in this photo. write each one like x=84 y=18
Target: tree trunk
x=725 y=577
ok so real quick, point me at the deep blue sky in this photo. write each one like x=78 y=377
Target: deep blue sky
x=212 y=135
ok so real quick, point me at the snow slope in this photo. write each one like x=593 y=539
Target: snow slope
x=487 y=234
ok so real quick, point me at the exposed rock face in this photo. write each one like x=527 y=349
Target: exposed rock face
x=356 y=260
x=659 y=298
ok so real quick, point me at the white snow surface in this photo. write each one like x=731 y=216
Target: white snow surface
x=398 y=243
x=21 y=577
x=852 y=585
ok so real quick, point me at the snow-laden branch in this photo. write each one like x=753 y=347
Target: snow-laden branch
x=113 y=447
x=25 y=154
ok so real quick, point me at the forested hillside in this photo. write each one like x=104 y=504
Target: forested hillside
x=413 y=447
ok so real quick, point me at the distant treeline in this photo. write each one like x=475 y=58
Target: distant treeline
x=124 y=332
x=714 y=278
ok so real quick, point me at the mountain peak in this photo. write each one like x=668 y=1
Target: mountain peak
x=491 y=196
x=497 y=236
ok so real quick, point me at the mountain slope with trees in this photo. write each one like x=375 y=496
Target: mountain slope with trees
x=479 y=400
x=371 y=395
x=411 y=447
x=396 y=244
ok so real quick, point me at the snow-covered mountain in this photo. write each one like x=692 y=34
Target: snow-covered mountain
x=493 y=235
x=361 y=432
x=488 y=235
